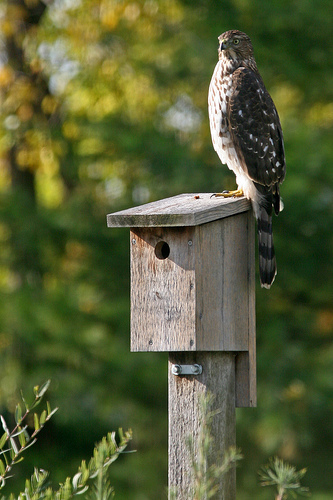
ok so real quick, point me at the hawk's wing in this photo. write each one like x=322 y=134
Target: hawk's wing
x=255 y=129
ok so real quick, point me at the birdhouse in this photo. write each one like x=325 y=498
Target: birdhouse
x=192 y=279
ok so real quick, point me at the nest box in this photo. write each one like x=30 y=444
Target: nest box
x=192 y=279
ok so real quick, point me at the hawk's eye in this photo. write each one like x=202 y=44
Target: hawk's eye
x=236 y=41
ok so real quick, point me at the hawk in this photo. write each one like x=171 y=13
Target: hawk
x=247 y=136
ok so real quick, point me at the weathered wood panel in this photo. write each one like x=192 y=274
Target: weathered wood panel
x=182 y=210
x=195 y=297
x=246 y=362
x=162 y=290
x=222 y=284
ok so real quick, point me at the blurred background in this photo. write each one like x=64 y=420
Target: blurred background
x=104 y=107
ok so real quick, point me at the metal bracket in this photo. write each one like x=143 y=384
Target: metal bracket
x=186 y=369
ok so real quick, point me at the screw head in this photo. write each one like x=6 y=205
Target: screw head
x=176 y=369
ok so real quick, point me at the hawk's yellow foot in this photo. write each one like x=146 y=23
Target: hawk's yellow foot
x=230 y=194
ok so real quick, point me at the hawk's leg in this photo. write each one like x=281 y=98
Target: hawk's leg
x=230 y=194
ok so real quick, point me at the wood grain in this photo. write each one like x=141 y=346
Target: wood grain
x=246 y=362
x=182 y=210
x=186 y=419
x=222 y=285
x=162 y=290
x=198 y=297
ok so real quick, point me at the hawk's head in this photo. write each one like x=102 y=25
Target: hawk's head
x=235 y=45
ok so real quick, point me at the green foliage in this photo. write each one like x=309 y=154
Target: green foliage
x=284 y=477
x=105 y=453
x=95 y=472
x=13 y=443
x=103 y=105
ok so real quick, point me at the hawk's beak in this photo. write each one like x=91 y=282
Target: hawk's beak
x=223 y=45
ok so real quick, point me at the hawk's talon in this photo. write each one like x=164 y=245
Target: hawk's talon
x=230 y=194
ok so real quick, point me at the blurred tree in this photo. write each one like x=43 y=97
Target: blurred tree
x=103 y=105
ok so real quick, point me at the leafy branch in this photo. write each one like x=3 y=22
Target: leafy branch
x=285 y=477
x=13 y=443
x=104 y=454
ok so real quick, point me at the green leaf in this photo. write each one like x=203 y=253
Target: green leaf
x=36 y=422
x=18 y=413
x=82 y=476
x=76 y=481
x=13 y=445
x=24 y=401
x=43 y=416
x=83 y=490
x=40 y=392
x=4 y=425
x=3 y=440
x=2 y=468
x=22 y=439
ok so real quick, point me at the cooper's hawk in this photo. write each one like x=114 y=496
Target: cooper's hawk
x=247 y=136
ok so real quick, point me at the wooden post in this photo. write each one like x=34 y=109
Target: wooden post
x=193 y=295
x=185 y=419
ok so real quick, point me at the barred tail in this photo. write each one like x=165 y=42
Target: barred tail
x=267 y=262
